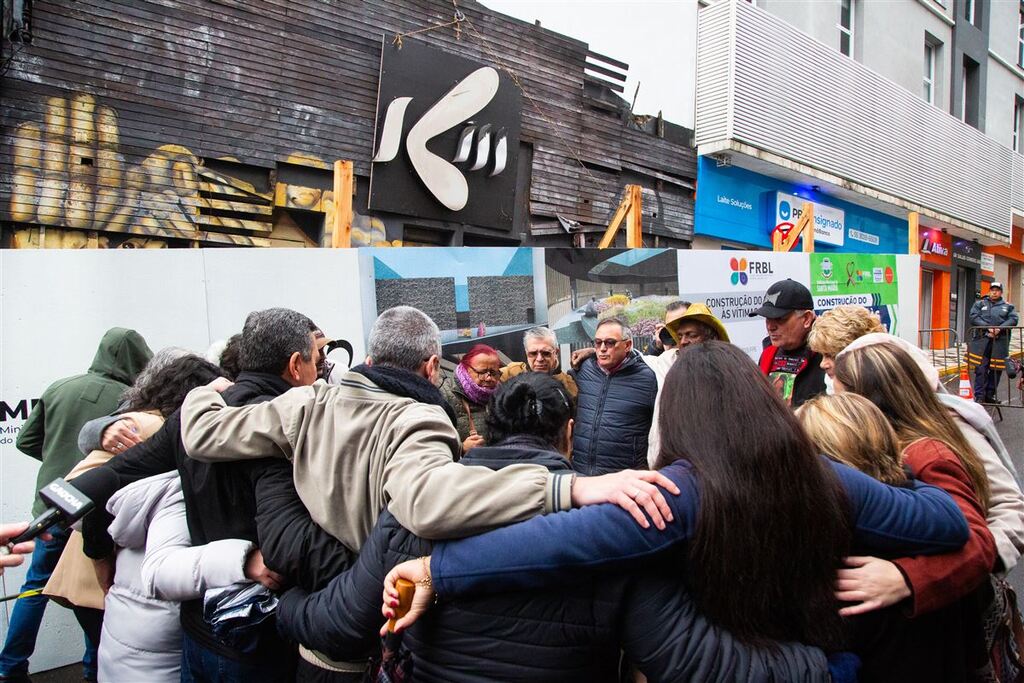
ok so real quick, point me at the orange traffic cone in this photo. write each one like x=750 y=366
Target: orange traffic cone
x=965 y=386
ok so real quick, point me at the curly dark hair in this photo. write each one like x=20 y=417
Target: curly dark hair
x=166 y=389
x=229 y=357
x=534 y=404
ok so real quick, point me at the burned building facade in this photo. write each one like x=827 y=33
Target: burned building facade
x=219 y=122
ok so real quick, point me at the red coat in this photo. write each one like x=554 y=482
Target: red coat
x=939 y=580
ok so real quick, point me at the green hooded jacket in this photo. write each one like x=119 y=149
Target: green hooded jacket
x=50 y=434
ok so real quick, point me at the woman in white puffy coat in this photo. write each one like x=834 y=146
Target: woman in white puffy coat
x=156 y=569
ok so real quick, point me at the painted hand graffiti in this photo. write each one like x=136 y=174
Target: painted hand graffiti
x=69 y=172
x=70 y=175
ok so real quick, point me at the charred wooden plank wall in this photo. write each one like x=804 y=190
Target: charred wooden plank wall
x=216 y=121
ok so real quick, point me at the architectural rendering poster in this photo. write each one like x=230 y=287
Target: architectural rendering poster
x=475 y=295
x=585 y=286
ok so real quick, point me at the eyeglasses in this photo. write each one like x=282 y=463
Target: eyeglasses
x=541 y=354
x=494 y=374
x=607 y=343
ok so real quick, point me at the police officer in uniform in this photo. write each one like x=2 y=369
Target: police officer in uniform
x=990 y=345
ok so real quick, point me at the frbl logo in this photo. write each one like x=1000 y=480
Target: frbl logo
x=739 y=271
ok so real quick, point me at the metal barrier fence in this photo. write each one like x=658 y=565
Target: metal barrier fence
x=944 y=346
x=1008 y=368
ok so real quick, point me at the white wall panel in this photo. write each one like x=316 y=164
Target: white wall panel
x=55 y=306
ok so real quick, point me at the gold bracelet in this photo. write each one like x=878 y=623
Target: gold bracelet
x=425 y=581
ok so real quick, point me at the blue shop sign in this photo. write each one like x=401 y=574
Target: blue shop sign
x=738 y=205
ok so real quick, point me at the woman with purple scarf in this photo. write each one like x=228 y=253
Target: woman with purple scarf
x=475 y=381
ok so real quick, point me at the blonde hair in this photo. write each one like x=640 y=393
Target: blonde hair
x=851 y=429
x=889 y=378
x=835 y=329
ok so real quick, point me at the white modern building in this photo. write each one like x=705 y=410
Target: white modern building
x=872 y=110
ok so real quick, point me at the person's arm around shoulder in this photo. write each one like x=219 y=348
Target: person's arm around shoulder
x=550 y=549
x=291 y=542
x=33 y=431
x=939 y=580
x=90 y=438
x=885 y=518
x=174 y=569
x=213 y=432
x=342 y=619
x=434 y=497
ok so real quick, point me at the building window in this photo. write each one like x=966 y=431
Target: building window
x=1018 y=124
x=1020 y=35
x=970 y=10
x=845 y=26
x=970 y=93
x=929 y=71
x=963 y=94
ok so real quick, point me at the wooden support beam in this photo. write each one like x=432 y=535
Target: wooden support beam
x=613 y=226
x=342 y=235
x=808 y=229
x=630 y=210
x=804 y=227
x=913 y=233
x=634 y=226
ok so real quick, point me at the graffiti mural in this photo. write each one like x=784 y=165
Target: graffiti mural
x=71 y=179
x=59 y=238
x=69 y=171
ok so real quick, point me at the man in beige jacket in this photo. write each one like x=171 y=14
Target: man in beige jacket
x=382 y=437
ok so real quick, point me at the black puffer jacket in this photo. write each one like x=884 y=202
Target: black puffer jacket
x=573 y=634
x=613 y=416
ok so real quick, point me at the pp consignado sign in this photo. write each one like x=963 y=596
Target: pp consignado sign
x=829 y=222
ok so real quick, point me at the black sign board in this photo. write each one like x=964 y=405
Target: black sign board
x=447 y=138
x=966 y=253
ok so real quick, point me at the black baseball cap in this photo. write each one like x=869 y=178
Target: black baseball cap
x=784 y=297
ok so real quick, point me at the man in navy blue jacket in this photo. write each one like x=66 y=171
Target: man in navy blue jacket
x=615 y=405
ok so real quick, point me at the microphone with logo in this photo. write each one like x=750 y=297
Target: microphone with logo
x=65 y=505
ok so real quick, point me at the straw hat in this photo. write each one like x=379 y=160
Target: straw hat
x=700 y=313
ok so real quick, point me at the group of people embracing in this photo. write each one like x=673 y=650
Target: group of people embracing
x=862 y=536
